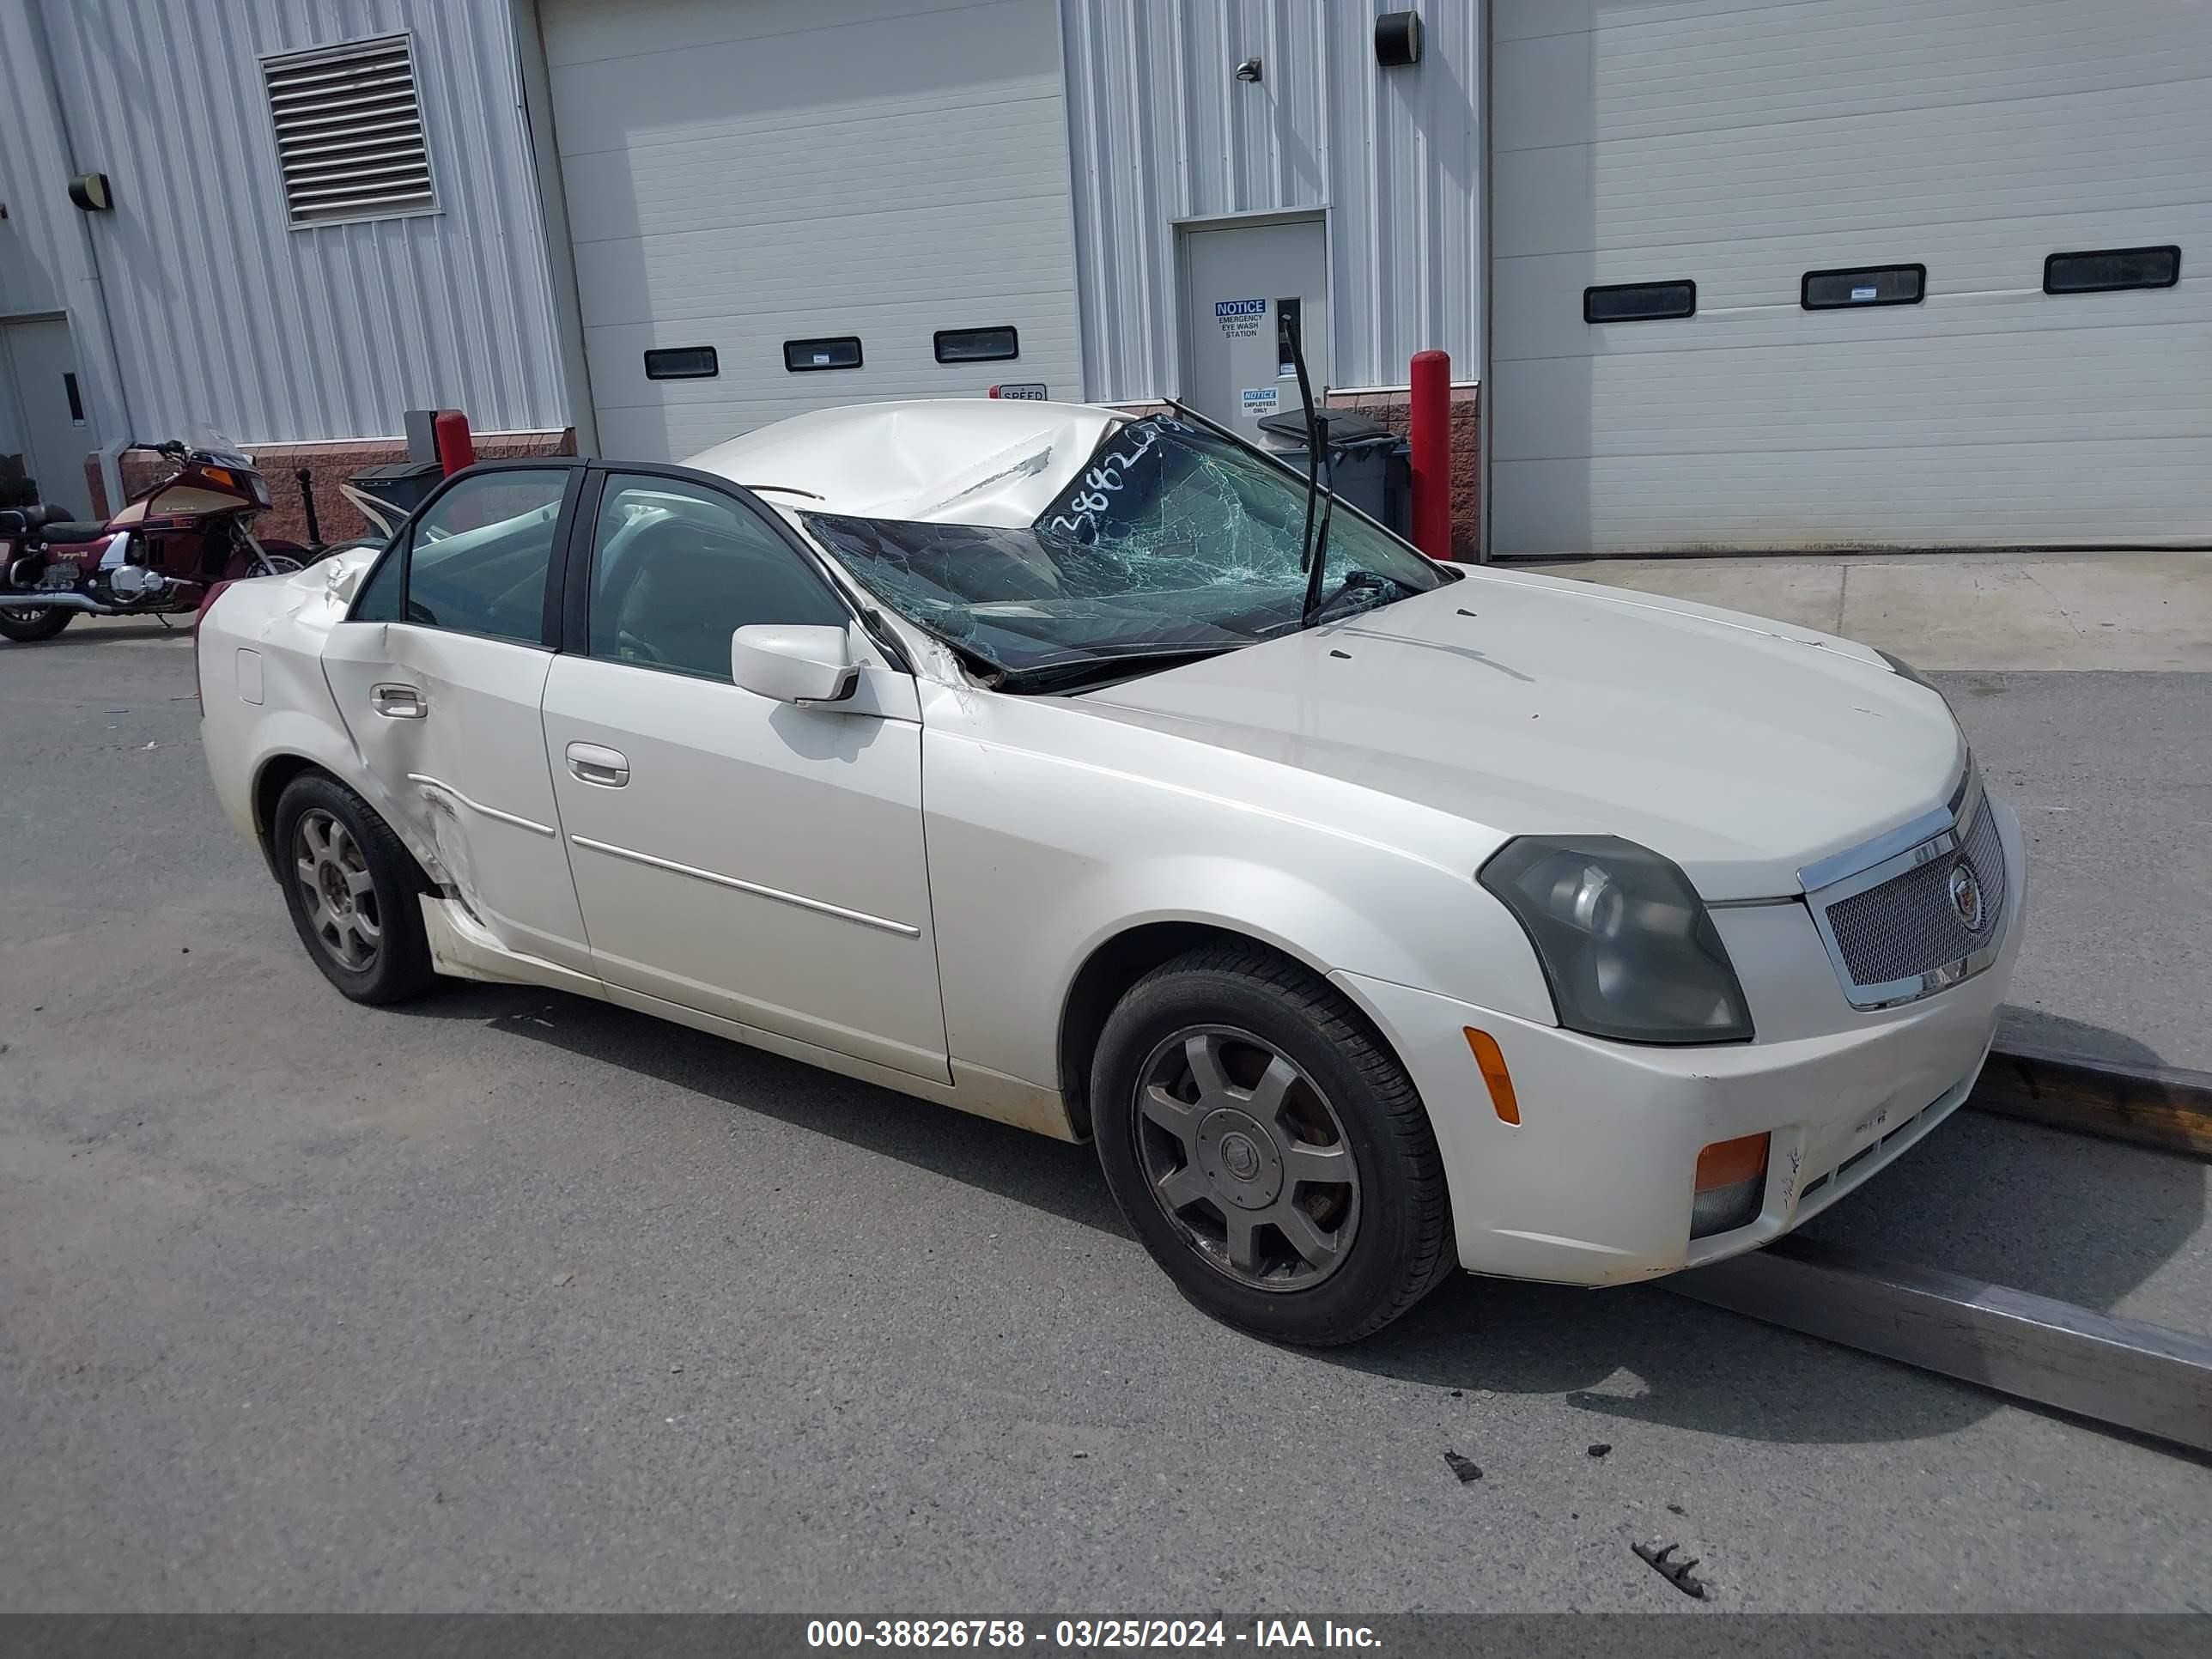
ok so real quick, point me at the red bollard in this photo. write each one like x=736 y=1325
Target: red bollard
x=455 y=449
x=1430 y=442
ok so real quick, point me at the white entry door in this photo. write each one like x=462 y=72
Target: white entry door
x=37 y=362
x=1243 y=287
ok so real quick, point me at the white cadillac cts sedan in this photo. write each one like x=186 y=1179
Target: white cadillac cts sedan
x=999 y=753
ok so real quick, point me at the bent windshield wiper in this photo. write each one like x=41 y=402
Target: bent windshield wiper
x=1313 y=549
x=1062 y=676
x=1355 y=581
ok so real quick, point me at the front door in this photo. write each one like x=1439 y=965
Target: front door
x=736 y=855
x=38 y=364
x=440 y=676
x=1243 y=287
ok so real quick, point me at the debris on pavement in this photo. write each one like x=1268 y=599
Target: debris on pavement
x=1601 y=1449
x=1658 y=1555
x=1465 y=1467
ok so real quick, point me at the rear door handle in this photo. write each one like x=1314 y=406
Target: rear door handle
x=608 y=768
x=398 y=702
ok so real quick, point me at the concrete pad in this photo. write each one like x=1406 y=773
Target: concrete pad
x=2148 y=610
x=1990 y=612
x=1800 y=591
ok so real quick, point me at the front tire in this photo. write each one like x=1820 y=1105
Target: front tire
x=1271 y=1153
x=353 y=890
x=27 y=625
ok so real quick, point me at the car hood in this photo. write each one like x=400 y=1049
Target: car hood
x=1742 y=749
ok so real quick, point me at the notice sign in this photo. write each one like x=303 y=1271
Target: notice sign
x=1239 y=318
x=1258 y=399
x=1859 y=295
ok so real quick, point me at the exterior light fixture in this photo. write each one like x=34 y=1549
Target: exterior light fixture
x=91 y=193
x=1398 y=39
x=1249 y=69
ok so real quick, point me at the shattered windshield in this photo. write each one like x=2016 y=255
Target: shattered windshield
x=1169 y=541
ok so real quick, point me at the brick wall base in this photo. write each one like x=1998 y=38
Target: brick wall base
x=328 y=466
x=1394 y=410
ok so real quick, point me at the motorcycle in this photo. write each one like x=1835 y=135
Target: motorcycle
x=160 y=556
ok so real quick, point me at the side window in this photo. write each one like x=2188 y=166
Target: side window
x=677 y=567
x=380 y=599
x=477 y=560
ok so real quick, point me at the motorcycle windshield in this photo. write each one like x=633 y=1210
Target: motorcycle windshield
x=212 y=445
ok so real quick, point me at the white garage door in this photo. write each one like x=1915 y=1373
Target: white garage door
x=743 y=174
x=1740 y=146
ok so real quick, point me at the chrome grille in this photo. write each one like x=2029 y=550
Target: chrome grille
x=1889 y=917
x=1908 y=926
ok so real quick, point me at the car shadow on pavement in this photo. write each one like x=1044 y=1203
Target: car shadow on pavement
x=1051 y=1176
x=2081 y=1220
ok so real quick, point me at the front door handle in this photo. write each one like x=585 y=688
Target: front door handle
x=608 y=768
x=398 y=702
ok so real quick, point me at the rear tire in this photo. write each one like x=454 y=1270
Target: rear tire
x=28 y=627
x=354 y=891
x=1270 y=1153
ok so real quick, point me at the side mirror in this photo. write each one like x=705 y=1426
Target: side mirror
x=798 y=666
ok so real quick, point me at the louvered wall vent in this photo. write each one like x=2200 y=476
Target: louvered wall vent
x=350 y=131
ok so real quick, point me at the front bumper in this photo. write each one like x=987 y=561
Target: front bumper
x=1594 y=1185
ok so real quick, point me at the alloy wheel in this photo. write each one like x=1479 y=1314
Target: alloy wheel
x=1247 y=1159
x=337 y=891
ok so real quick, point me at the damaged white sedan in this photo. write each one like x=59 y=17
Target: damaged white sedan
x=1374 y=921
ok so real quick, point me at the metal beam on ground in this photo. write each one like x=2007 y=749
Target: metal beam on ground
x=2118 y=1372
x=2164 y=1106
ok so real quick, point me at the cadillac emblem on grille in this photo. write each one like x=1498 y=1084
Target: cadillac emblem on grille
x=1966 y=888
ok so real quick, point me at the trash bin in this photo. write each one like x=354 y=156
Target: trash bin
x=406 y=485
x=1369 y=465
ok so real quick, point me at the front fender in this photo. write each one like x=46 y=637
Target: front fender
x=1037 y=860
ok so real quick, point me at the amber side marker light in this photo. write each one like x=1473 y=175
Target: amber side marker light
x=1731 y=1185
x=1492 y=1063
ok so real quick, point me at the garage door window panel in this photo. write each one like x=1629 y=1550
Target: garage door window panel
x=1855 y=288
x=683 y=363
x=477 y=560
x=676 y=568
x=977 y=345
x=812 y=356
x=1639 y=302
x=2105 y=270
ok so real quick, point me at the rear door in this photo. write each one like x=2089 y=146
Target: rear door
x=440 y=673
x=743 y=857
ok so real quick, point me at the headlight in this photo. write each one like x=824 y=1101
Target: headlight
x=1625 y=941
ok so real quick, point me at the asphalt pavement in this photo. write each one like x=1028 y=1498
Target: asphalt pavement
x=514 y=1300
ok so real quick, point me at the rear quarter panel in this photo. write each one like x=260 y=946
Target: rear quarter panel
x=266 y=635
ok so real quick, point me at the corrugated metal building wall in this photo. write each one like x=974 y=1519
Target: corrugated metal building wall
x=30 y=278
x=1161 y=132
x=219 y=310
